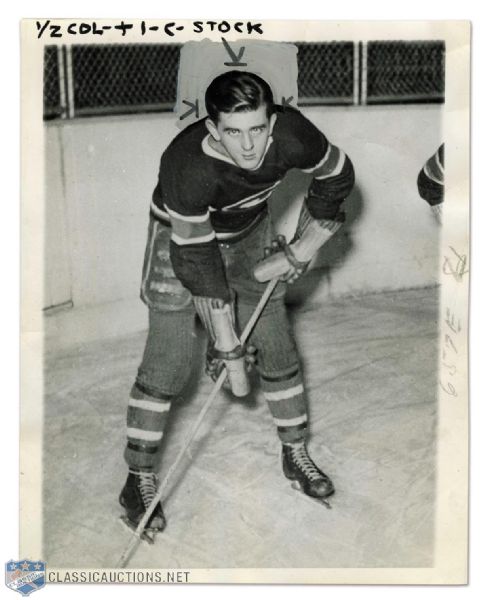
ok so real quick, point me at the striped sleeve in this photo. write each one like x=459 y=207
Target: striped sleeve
x=330 y=165
x=196 y=257
x=190 y=229
x=431 y=178
x=333 y=180
x=332 y=170
x=184 y=200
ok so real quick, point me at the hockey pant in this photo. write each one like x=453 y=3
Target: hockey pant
x=167 y=360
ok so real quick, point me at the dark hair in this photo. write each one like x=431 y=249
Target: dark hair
x=237 y=91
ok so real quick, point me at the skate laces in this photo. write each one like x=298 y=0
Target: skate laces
x=147 y=484
x=303 y=461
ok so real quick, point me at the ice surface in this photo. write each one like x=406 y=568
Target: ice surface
x=370 y=369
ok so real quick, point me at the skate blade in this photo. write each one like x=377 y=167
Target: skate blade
x=147 y=536
x=296 y=486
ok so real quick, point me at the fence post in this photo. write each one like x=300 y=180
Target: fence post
x=69 y=83
x=363 y=74
x=61 y=81
x=356 y=69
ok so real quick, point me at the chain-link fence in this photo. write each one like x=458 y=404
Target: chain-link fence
x=326 y=73
x=53 y=106
x=405 y=71
x=124 y=78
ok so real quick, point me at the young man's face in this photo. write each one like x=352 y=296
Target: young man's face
x=243 y=135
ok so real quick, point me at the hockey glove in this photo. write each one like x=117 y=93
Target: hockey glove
x=289 y=262
x=214 y=362
x=219 y=320
x=280 y=256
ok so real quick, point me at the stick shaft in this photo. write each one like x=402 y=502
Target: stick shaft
x=135 y=539
x=259 y=309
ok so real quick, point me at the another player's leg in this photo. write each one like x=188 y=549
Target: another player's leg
x=162 y=375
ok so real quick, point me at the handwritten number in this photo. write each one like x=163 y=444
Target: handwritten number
x=450 y=389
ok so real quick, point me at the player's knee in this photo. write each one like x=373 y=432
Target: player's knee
x=281 y=375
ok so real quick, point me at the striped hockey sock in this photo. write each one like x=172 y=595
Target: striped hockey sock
x=146 y=419
x=284 y=394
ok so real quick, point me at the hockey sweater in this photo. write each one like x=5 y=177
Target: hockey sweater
x=207 y=198
x=431 y=178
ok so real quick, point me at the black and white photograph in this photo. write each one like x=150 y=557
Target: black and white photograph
x=245 y=286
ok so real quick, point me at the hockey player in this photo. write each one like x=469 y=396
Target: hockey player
x=431 y=181
x=210 y=249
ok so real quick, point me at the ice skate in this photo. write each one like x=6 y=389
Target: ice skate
x=137 y=494
x=306 y=476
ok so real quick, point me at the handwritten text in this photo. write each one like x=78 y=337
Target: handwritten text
x=62 y=29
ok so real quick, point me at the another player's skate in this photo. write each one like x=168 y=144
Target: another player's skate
x=139 y=490
x=307 y=477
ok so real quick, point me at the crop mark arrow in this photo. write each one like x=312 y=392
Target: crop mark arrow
x=286 y=101
x=235 y=58
x=194 y=107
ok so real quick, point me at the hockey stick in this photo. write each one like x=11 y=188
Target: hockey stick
x=136 y=536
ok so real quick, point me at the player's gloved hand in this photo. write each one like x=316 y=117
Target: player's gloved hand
x=292 y=268
x=215 y=359
x=290 y=261
x=219 y=321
